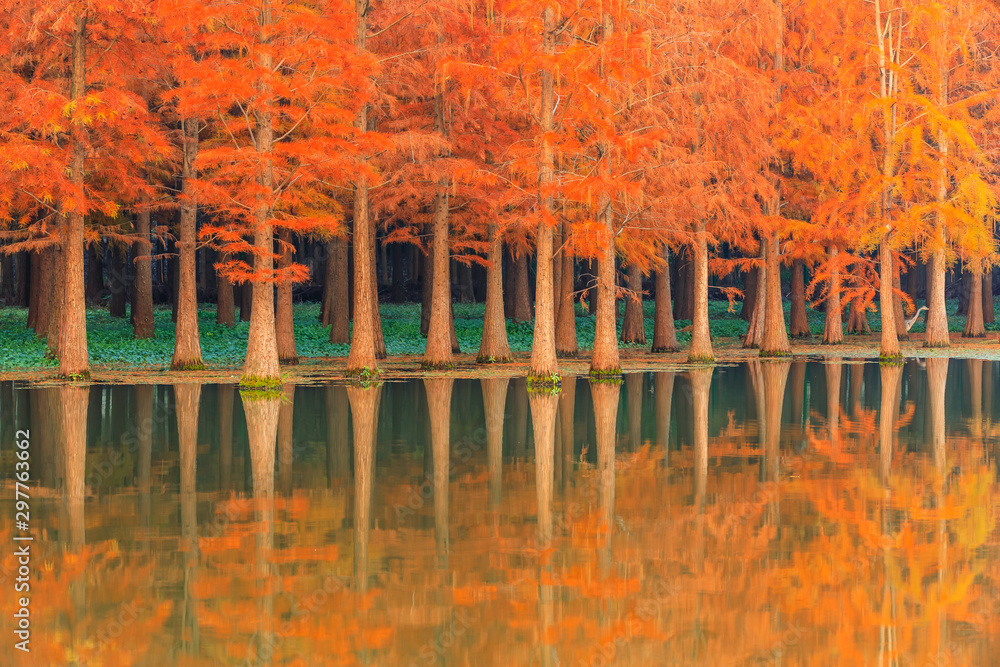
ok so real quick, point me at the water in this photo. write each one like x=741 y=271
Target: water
x=776 y=513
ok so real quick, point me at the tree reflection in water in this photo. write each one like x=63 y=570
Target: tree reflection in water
x=855 y=523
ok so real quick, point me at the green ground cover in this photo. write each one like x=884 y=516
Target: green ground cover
x=111 y=343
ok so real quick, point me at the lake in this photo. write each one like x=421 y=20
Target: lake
x=781 y=513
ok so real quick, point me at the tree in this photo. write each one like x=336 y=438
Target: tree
x=74 y=138
x=280 y=83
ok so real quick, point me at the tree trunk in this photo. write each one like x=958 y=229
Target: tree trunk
x=775 y=339
x=889 y=347
x=544 y=366
x=42 y=270
x=72 y=342
x=604 y=359
x=974 y=327
x=799 y=319
x=559 y=250
x=566 y=344
x=963 y=293
x=57 y=297
x=187 y=346
x=494 y=346
x=664 y=333
x=376 y=317
x=684 y=304
x=426 y=290
x=755 y=327
x=494 y=402
x=398 y=284
x=521 y=297
x=284 y=323
x=437 y=354
x=261 y=368
x=118 y=280
x=225 y=312
x=591 y=283
x=7 y=281
x=833 y=330
x=95 y=273
x=142 y=290
x=989 y=313
x=340 y=323
x=329 y=268
x=36 y=261
x=857 y=319
x=701 y=338
x=362 y=362
x=246 y=301
x=634 y=322
x=749 y=294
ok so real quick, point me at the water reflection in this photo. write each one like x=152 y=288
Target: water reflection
x=776 y=511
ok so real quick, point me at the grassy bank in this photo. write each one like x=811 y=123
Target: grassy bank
x=111 y=343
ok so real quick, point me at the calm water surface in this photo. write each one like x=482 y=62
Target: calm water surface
x=758 y=514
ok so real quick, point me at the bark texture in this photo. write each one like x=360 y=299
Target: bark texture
x=605 y=358
x=142 y=289
x=989 y=311
x=664 y=332
x=284 y=324
x=566 y=344
x=187 y=342
x=495 y=346
x=833 y=329
x=889 y=345
x=225 y=312
x=437 y=354
x=774 y=341
x=362 y=361
x=799 y=319
x=857 y=319
x=756 y=305
x=71 y=345
x=701 y=339
x=974 y=325
x=634 y=324
x=340 y=323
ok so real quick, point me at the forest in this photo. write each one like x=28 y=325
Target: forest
x=551 y=161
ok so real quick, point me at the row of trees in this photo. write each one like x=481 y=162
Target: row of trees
x=844 y=136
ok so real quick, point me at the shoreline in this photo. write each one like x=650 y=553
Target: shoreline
x=321 y=370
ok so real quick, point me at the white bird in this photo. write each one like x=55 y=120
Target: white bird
x=910 y=321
